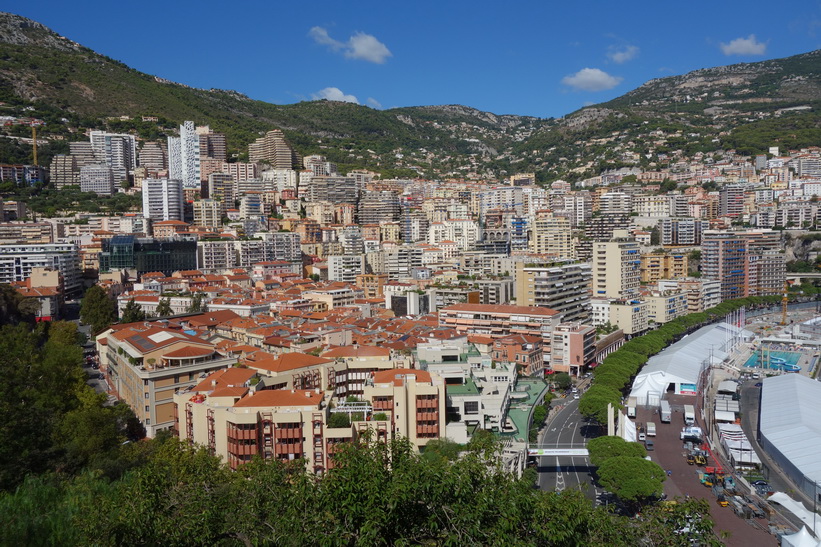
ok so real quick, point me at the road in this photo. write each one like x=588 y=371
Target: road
x=566 y=429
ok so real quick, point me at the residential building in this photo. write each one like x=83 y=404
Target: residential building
x=664 y=307
x=561 y=286
x=701 y=293
x=629 y=315
x=573 y=348
x=162 y=199
x=274 y=150
x=64 y=171
x=522 y=350
x=501 y=321
x=616 y=266
x=98 y=179
x=147 y=364
x=655 y=267
x=682 y=232
x=18 y=262
x=552 y=236
x=346 y=267
x=184 y=157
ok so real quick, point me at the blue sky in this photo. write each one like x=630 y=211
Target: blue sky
x=538 y=58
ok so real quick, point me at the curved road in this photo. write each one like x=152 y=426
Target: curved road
x=567 y=429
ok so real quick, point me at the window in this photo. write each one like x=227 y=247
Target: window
x=146 y=395
x=147 y=408
x=471 y=407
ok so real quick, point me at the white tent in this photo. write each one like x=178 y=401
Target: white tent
x=791 y=429
x=797 y=509
x=681 y=363
x=802 y=538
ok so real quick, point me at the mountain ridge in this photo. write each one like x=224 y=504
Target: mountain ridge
x=41 y=69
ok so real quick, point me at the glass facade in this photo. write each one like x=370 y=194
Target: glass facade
x=148 y=255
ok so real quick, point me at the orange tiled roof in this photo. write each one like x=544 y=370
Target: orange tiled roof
x=281 y=397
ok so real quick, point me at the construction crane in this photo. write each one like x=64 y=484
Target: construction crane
x=34 y=142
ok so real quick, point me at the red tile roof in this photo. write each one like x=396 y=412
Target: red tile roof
x=397 y=375
x=361 y=351
x=282 y=397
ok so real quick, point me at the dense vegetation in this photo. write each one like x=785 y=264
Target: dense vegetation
x=46 y=201
x=378 y=495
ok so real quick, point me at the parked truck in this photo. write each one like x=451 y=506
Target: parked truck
x=651 y=429
x=664 y=411
x=631 y=407
x=689 y=415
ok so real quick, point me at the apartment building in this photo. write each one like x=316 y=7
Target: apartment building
x=162 y=199
x=146 y=364
x=346 y=267
x=274 y=150
x=573 y=348
x=655 y=267
x=28 y=232
x=631 y=316
x=184 y=157
x=98 y=179
x=561 y=286
x=682 y=232
x=616 y=266
x=501 y=321
x=748 y=263
x=524 y=351
x=552 y=236
x=17 y=262
x=664 y=307
x=478 y=390
x=701 y=293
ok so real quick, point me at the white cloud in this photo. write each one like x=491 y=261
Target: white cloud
x=373 y=103
x=359 y=46
x=744 y=46
x=334 y=94
x=621 y=55
x=591 y=79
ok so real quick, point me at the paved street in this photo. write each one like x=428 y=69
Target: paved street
x=565 y=429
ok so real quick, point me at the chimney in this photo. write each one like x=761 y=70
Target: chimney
x=308 y=394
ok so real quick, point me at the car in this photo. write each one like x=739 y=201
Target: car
x=642 y=436
x=648 y=444
x=758 y=384
x=760 y=483
x=575 y=395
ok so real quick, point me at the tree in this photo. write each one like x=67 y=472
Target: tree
x=634 y=480
x=164 y=308
x=593 y=404
x=196 y=303
x=562 y=380
x=132 y=313
x=339 y=419
x=98 y=310
x=602 y=448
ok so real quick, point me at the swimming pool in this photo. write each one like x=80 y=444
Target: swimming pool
x=788 y=360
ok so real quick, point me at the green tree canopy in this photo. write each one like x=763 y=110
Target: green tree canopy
x=132 y=313
x=593 y=403
x=562 y=380
x=602 y=448
x=98 y=310
x=632 y=479
x=164 y=307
